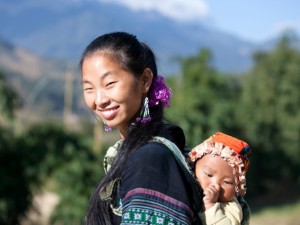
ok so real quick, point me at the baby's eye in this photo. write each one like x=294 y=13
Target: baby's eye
x=207 y=174
x=228 y=182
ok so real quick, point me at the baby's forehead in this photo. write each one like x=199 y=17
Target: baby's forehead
x=213 y=162
x=209 y=159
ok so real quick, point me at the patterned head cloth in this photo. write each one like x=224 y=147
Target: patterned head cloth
x=234 y=151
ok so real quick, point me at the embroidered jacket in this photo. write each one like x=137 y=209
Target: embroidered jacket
x=152 y=188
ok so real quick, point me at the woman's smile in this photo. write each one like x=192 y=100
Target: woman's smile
x=110 y=113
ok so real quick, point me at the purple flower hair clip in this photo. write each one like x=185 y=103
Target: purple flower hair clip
x=159 y=92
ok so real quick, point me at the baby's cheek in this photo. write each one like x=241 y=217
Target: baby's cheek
x=203 y=181
x=226 y=194
x=197 y=174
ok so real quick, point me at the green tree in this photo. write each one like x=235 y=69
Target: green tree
x=67 y=160
x=271 y=116
x=8 y=98
x=15 y=188
x=45 y=154
x=15 y=193
x=204 y=100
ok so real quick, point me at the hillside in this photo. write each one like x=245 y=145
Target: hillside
x=39 y=82
x=61 y=29
x=20 y=61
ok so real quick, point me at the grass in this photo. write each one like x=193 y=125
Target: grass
x=281 y=215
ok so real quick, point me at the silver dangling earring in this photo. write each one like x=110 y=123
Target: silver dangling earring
x=145 y=113
x=106 y=127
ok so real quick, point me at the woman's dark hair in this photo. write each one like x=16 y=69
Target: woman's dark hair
x=124 y=48
x=135 y=57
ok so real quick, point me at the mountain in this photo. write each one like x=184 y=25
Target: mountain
x=61 y=29
x=18 y=60
x=39 y=83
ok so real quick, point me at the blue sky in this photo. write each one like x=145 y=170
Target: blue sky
x=254 y=20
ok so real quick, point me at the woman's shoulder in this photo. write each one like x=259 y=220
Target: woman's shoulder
x=173 y=133
x=153 y=150
x=153 y=166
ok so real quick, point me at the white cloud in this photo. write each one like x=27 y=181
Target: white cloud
x=182 y=10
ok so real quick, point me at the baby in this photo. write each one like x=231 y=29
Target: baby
x=220 y=166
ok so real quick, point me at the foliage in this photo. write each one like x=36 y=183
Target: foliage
x=204 y=100
x=15 y=192
x=46 y=152
x=68 y=161
x=8 y=98
x=271 y=117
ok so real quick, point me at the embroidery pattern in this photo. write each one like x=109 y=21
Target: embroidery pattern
x=144 y=206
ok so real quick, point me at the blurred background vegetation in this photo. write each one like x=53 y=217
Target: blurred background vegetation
x=42 y=152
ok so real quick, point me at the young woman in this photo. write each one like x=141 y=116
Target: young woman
x=144 y=183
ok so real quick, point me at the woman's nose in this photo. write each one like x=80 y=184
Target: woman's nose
x=101 y=98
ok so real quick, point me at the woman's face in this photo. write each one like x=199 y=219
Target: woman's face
x=111 y=92
x=214 y=169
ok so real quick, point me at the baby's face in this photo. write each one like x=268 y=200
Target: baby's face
x=214 y=169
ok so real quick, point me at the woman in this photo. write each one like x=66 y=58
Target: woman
x=143 y=183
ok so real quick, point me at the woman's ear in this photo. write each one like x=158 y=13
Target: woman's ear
x=147 y=78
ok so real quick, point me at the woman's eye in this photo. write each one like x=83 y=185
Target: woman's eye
x=110 y=83
x=88 y=89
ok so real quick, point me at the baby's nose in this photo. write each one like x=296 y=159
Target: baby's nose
x=216 y=185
